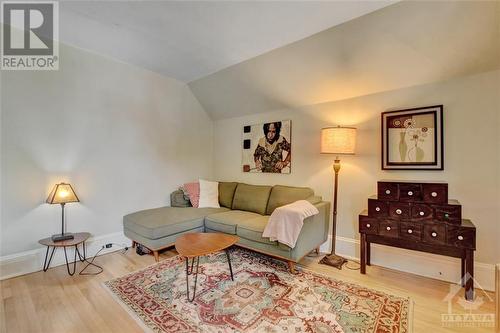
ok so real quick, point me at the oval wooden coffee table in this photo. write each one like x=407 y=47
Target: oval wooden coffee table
x=193 y=245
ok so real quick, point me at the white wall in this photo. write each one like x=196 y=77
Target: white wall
x=123 y=136
x=471 y=111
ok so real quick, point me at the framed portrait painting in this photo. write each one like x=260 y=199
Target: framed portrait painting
x=267 y=147
x=412 y=139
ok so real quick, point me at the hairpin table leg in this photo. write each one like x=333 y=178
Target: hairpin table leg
x=189 y=272
x=46 y=264
x=195 y=277
x=229 y=262
x=84 y=257
x=74 y=261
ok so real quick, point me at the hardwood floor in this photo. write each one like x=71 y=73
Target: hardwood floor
x=55 y=302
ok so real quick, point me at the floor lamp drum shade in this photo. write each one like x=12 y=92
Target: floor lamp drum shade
x=338 y=140
x=62 y=194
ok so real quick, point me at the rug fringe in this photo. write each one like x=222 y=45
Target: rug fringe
x=306 y=269
x=131 y=313
x=411 y=307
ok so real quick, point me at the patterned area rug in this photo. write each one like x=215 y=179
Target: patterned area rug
x=264 y=297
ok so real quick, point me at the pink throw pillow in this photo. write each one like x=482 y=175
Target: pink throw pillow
x=193 y=190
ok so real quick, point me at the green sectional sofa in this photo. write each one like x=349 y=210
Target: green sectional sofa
x=245 y=211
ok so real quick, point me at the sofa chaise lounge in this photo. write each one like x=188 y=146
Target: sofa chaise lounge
x=244 y=211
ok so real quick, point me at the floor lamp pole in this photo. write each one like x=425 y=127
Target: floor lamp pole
x=336 y=169
x=332 y=259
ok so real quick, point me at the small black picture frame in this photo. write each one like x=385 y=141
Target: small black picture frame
x=412 y=139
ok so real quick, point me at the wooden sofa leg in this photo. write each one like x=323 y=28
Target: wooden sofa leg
x=133 y=244
x=157 y=257
x=291 y=267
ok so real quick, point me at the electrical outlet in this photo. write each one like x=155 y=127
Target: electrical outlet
x=109 y=245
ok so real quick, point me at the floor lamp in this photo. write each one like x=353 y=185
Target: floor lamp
x=339 y=141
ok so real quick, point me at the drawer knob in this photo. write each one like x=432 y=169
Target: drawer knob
x=421 y=213
x=446 y=215
x=377 y=209
x=434 y=234
x=460 y=237
x=410 y=193
x=399 y=211
x=434 y=194
x=410 y=231
x=368 y=225
x=387 y=191
x=388 y=228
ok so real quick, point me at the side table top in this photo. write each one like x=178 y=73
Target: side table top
x=200 y=244
x=80 y=237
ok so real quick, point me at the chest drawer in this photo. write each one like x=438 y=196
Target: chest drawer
x=368 y=225
x=387 y=191
x=421 y=212
x=399 y=210
x=388 y=228
x=377 y=208
x=435 y=193
x=410 y=230
x=410 y=192
x=448 y=213
x=461 y=237
x=434 y=233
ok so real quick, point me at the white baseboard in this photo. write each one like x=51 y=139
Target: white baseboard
x=32 y=261
x=419 y=263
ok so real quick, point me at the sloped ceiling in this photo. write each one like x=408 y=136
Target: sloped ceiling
x=187 y=40
x=405 y=44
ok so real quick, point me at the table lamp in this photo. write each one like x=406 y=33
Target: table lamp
x=340 y=141
x=62 y=193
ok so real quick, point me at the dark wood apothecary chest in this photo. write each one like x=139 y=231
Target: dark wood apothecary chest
x=419 y=216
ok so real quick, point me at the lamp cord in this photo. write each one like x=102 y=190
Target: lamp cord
x=91 y=262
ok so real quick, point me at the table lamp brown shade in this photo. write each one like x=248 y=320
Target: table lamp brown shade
x=340 y=141
x=62 y=194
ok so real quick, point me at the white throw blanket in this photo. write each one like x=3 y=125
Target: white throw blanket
x=286 y=222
